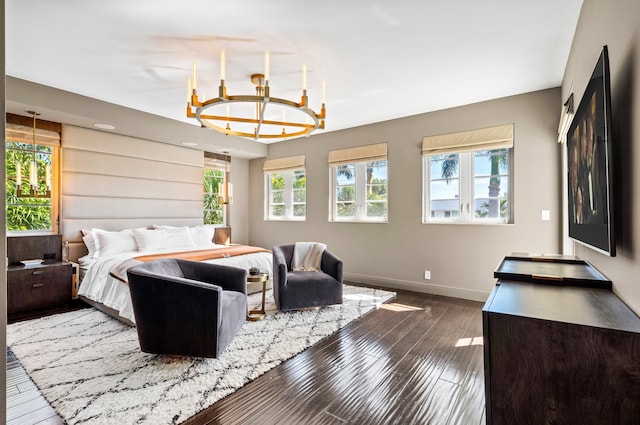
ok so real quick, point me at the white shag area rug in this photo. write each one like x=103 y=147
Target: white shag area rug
x=90 y=368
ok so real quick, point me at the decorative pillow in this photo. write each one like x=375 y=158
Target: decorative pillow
x=111 y=243
x=150 y=240
x=202 y=235
x=89 y=242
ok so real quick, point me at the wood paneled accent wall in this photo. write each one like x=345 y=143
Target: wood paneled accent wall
x=115 y=182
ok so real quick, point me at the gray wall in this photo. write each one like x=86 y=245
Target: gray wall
x=615 y=23
x=461 y=258
x=239 y=210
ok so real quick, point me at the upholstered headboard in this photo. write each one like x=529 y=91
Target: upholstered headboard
x=115 y=182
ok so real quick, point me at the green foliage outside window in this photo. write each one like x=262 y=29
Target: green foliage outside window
x=213 y=210
x=277 y=194
x=298 y=192
x=376 y=202
x=26 y=213
x=346 y=190
x=375 y=194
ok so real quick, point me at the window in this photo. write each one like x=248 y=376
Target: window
x=285 y=190
x=359 y=184
x=467 y=177
x=31 y=213
x=213 y=210
x=214 y=178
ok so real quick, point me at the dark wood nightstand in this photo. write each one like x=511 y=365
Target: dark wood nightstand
x=37 y=287
x=42 y=289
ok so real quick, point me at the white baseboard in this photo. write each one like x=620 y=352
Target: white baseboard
x=427 y=288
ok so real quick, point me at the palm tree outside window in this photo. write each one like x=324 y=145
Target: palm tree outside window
x=286 y=195
x=468 y=187
x=360 y=192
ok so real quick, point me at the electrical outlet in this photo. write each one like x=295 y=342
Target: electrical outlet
x=427 y=274
x=545 y=215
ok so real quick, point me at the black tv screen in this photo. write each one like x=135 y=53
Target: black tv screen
x=589 y=164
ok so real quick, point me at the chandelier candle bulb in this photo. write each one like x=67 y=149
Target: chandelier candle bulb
x=47 y=178
x=193 y=76
x=304 y=77
x=324 y=92
x=33 y=174
x=223 y=69
x=266 y=68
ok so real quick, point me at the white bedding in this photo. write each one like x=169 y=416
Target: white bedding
x=97 y=285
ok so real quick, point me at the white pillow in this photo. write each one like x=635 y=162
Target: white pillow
x=203 y=235
x=149 y=240
x=111 y=243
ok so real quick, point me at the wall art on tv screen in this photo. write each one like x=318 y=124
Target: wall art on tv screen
x=589 y=164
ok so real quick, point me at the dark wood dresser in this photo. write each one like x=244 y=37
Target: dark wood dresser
x=560 y=354
x=31 y=289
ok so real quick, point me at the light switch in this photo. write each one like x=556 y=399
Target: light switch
x=545 y=215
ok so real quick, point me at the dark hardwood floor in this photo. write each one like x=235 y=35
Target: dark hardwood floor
x=416 y=360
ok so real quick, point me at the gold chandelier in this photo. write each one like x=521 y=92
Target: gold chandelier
x=33 y=171
x=252 y=116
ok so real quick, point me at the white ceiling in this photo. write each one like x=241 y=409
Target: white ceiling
x=381 y=60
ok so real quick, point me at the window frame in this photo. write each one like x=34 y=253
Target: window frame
x=466 y=193
x=360 y=183
x=288 y=195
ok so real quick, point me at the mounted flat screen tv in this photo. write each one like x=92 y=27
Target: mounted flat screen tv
x=589 y=164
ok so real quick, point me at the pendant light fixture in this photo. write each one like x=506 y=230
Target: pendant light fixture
x=33 y=171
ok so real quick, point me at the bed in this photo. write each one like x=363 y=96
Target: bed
x=103 y=269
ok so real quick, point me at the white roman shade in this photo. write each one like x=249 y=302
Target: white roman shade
x=217 y=161
x=490 y=138
x=369 y=153
x=283 y=164
x=23 y=134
